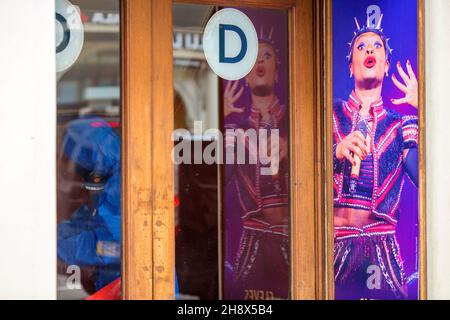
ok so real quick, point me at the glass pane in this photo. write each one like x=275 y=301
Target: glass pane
x=256 y=191
x=232 y=216
x=375 y=136
x=196 y=185
x=88 y=149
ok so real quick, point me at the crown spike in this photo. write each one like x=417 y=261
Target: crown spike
x=357 y=24
x=379 y=22
x=270 y=33
x=373 y=23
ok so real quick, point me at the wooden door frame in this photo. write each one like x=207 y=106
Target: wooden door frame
x=147 y=172
x=148 y=249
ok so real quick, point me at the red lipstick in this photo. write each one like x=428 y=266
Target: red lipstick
x=370 y=62
x=260 y=71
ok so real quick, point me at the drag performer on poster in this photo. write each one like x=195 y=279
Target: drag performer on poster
x=261 y=266
x=374 y=148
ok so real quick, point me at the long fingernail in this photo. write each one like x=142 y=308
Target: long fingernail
x=398 y=64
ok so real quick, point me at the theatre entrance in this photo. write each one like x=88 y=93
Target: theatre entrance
x=201 y=221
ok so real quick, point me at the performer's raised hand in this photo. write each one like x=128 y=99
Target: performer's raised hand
x=409 y=87
x=230 y=97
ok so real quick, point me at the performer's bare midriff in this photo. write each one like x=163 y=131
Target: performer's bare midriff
x=274 y=216
x=349 y=217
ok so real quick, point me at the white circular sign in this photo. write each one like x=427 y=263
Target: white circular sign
x=230 y=44
x=69 y=34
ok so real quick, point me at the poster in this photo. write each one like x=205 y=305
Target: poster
x=256 y=192
x=375 y=149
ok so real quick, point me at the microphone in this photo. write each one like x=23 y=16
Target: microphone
x=354 y=175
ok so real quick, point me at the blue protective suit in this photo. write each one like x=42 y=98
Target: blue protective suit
x=92 y=236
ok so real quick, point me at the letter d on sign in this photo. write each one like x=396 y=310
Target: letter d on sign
x=230 y=44
x=241 y=34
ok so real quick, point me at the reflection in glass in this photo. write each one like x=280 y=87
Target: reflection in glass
x=88 y=153
x=256 y=192
x=196 y=98
x=232 y=236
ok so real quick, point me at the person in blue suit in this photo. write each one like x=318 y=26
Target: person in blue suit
x=91 y=237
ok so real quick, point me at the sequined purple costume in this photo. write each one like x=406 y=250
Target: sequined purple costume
x=264 y=247
x=360 y=253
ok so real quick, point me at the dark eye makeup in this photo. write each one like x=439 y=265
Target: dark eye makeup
x=361 y=46
x=376 y=45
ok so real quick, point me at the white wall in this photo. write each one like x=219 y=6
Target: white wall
x=27 y=148
x=437 y=30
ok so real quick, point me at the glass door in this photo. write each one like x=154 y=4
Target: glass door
x=88 y=149
x=231 y=161
x=219 y=182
